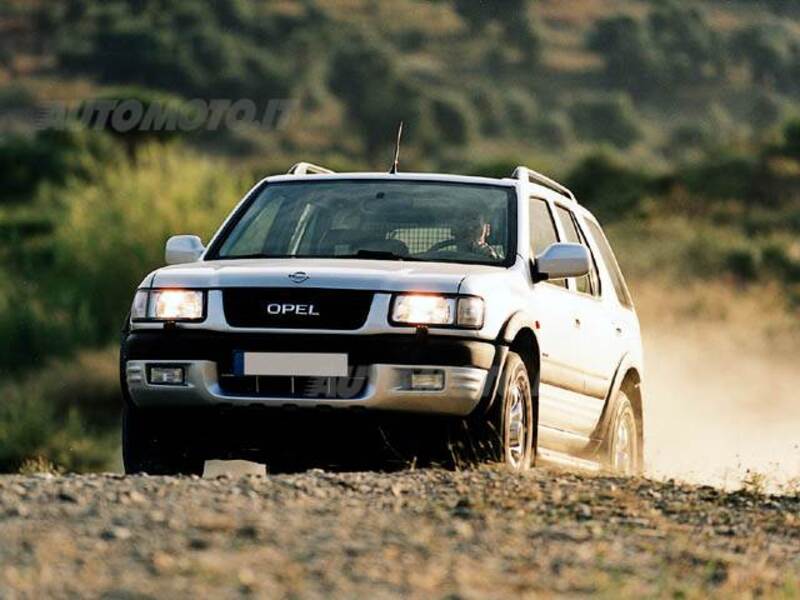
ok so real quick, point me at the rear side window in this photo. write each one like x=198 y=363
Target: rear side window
x=620 y=287
x=588 y=284
x=543 y=231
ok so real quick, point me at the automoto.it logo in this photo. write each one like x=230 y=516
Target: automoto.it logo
x=128 y=115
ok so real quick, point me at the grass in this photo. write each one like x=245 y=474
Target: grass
x=64 y=417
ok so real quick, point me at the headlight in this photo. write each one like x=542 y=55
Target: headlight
x=470 y=312
x=139 y=307
x=168 y=305
x=422 y=309
x=443 y=311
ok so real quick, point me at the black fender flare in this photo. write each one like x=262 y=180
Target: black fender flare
x=517 y=322
x=520 y=320
x=600 y=433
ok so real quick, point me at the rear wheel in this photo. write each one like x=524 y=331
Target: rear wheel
x=154 y=446
x=624 y=453
x=509 y=430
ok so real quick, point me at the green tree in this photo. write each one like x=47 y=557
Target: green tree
x=611 y=189
x=455 y=120
x=767 y=50
x=631 y=62
x=51 y=156
x=515 y=16
x=188 y=48
x=611 y=120
x=690 y=50
x=364 y=74
x=673 y=46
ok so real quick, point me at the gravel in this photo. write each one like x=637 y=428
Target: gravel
x=419 y=533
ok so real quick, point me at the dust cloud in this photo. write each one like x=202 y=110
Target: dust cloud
x=722 y=404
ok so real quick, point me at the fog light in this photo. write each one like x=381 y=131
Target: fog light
x=166 y=375
x=427 y=380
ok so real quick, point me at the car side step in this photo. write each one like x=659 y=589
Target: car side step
x=558 y=459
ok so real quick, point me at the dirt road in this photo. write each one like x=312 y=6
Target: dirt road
x=426 y=534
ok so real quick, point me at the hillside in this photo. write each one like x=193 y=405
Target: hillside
x=538 y=81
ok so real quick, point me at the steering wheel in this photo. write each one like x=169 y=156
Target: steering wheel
x=443 y=244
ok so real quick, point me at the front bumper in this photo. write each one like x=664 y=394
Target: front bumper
x=384 y=361
x=384 y=391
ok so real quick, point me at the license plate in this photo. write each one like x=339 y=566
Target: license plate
x=301 y=364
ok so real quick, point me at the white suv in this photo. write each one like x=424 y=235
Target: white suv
x=495 y=306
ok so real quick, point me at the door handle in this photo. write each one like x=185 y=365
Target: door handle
x=577 y=322
x=618 y=330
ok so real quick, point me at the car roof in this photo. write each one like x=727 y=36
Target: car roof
x=434 y=177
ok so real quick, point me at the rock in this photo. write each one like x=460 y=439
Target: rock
x=198 y=543
x=116 y=533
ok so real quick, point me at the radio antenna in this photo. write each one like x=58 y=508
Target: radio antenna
x=396 y=163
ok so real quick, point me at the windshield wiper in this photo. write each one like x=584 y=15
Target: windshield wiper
x=376 y=254
x=255 y=255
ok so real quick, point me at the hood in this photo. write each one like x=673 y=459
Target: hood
x=376 y=275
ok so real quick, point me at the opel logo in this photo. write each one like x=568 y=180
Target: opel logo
x=299 y=277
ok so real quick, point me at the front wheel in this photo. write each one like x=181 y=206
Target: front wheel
x=150 y=445
x=510 y=427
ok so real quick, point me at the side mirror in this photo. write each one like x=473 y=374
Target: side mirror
x=560 y=261
x=183 y=249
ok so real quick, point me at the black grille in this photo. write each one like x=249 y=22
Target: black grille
x=296 y=308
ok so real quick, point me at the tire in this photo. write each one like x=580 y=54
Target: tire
x=623 y=448
x=509 y=428
x=148 y=446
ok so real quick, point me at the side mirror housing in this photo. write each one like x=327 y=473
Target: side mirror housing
x=183 y=249
x=560 y=261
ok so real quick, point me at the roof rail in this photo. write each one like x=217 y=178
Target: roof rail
x=307 y=168
x=531 y=176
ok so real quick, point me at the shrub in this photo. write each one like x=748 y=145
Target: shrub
x=189 y=49
x=491 y=111
x=743 y=263
x=167 y=104
x=673 y=46
x=552 y=129
x=52 y=156
x=610 y=120
x=376 y=94
x=688 y=136
x=791 y=139
x=37 y=329
x=115 y=227
x=607 y=187
x=768 y=51
x=631 y=62
x=690 y=50
x=764 y=111
x=521 y=109
x=514 y=16
x=15 y=96
x=720 y=177
x=454 y=119
x=498 y=168
x=779 y=262
x=65 y=417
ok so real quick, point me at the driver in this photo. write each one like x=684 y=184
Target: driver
x=471 y=232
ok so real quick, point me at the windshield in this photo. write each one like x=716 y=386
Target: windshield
x=384 y=220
